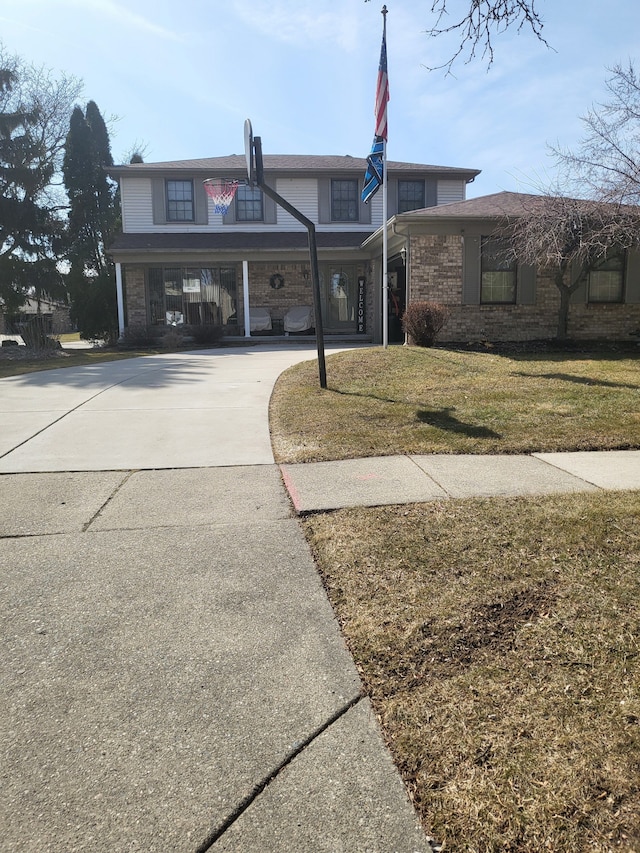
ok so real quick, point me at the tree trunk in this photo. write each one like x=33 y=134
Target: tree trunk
x=563 y=311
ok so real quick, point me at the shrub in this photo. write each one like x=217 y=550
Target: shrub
x=140 y=336
x=422 y=321
x=35 y=334
x=172 y=339
x=206 y=335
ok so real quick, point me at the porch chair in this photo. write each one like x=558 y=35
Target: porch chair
x=298 y=319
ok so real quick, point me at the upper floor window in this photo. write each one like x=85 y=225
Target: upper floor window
x=249 y=204
x=410 y=196
x=180 y=206
x=606 y=280
x=499 y=274
x=345 y=206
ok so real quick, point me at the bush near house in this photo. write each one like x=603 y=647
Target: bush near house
x=171 y=337
x=422 y=321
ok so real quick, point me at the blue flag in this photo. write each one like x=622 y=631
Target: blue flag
x=375 y=167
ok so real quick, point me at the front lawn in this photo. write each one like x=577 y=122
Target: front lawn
x=410 y=400
x=499 y=641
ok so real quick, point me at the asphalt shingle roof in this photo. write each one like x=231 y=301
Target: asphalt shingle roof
x=285 y=163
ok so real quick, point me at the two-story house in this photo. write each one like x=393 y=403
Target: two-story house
x=178 y=262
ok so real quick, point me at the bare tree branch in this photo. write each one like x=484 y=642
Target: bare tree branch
x=607 y=162
x=480 y=24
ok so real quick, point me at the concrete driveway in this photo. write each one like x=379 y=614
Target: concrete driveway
x=165 y=411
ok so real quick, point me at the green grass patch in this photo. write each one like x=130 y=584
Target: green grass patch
x=498 y=640
x=412 y=400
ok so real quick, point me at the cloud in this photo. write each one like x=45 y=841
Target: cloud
x=302 y=22
x=125 y=17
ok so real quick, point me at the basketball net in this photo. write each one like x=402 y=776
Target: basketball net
x=221 y=193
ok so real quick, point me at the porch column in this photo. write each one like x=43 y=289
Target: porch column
x=245 y=295
x=120 y=299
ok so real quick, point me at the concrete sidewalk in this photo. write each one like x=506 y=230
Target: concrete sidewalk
x=376 y=481
x=173 y=675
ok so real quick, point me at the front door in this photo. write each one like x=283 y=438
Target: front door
x=339 y=286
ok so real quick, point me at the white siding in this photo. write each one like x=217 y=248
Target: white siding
x=449 y=191
x=137 y=210
x=376 y=210
x=302 y=193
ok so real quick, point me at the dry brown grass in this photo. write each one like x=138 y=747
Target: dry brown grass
x=19 y=361
x=499 y=641
x=411 y=400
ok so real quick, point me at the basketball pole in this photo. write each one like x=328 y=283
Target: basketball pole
x=313 y=254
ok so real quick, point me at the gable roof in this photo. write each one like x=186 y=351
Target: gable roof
x=287 y=163
x=491 y=206
x=508 y=204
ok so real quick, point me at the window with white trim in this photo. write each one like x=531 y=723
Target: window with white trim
x=180 y=207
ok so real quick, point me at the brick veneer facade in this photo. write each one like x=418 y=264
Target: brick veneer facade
x=135 y=295
x=436 y=274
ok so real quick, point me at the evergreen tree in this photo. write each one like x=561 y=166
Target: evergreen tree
x=92 y=221
x=29 y=228
x=92 y=208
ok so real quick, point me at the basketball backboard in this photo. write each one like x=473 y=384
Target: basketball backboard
x=249 y=152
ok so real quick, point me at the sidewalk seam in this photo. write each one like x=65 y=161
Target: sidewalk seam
x=125 y=479
x=411 y=458
x=564 y=471
x=267 y=780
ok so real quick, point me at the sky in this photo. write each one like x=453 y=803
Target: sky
x=178 y=78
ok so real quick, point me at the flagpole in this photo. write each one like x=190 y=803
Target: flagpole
x=375 y=176
x=385 y=277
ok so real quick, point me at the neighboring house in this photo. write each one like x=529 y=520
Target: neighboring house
x=449 y=255
x=180 y=263
x=53 y=315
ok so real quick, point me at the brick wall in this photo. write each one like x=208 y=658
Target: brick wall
x=135 y=295
x=296 y=291
x=604 y=322
x=436 y=275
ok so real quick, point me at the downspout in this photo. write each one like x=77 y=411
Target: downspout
x=245 y=296
x=120 y=301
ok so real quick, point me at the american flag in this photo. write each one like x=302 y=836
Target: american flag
x=375 y=160
x=382 y=92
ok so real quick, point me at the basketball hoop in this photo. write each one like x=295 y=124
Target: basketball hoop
x=221 y=192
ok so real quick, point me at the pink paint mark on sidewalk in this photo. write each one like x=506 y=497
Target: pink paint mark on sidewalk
x=291 y=488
